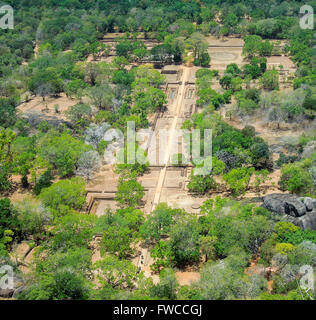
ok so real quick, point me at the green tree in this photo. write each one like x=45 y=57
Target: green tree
x=91 y=72
x=204 y=60
x=8 y=111
x=64 y=272
x=149 y=101
x=116 y=273
x=237 y=180
x=129 y=193
x=102 y=96
x=226 y=82
x=7 y=137
x=236 y=84
x=201 y=184
x=184 y=242
x=158 y=223
x=270 y=80
x=255 y=46
x=207 y=247
x=24 y=152
x=266 y=48
x=44 y=181
x=80 y=114
x=120 y=62
x=72 y=231
x=8 y=223
x=117 y=240
x=75 y=88
x=198 y=45
x=295 y=178
x=69 y=285
x=162 y=53
x=162 y=255
x=146 y=76
x=46 y=82
x=96 y=49
x=32 y=219
x=64 y=195
x=62 y=151
x=124 y=48
x=204 y=79
x=167 y=286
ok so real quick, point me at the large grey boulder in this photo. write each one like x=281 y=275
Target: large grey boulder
x=284 y=204
x=310 y=203
x=308 y=221
x=300 y=210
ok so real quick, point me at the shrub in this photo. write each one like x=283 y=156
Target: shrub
x=65 y=195
x=296 y=178
x=270 y=80
x=284 y=248
x=44 y=181
x=130 y=193
x=238 y=179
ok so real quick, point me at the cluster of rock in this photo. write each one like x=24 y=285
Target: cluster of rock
x=301 y=211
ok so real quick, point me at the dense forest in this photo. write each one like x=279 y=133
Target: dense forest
x=56 y=49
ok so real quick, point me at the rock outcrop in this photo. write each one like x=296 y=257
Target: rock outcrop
x=301 y=211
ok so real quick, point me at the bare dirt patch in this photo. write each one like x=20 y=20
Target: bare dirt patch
x=52 y=109
x=283 y=60
x=221 y=57
x=19 y=195
x=288 y=133
x=102 y=59
x=187 y=278
x=224 y=56
x=225 y=41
